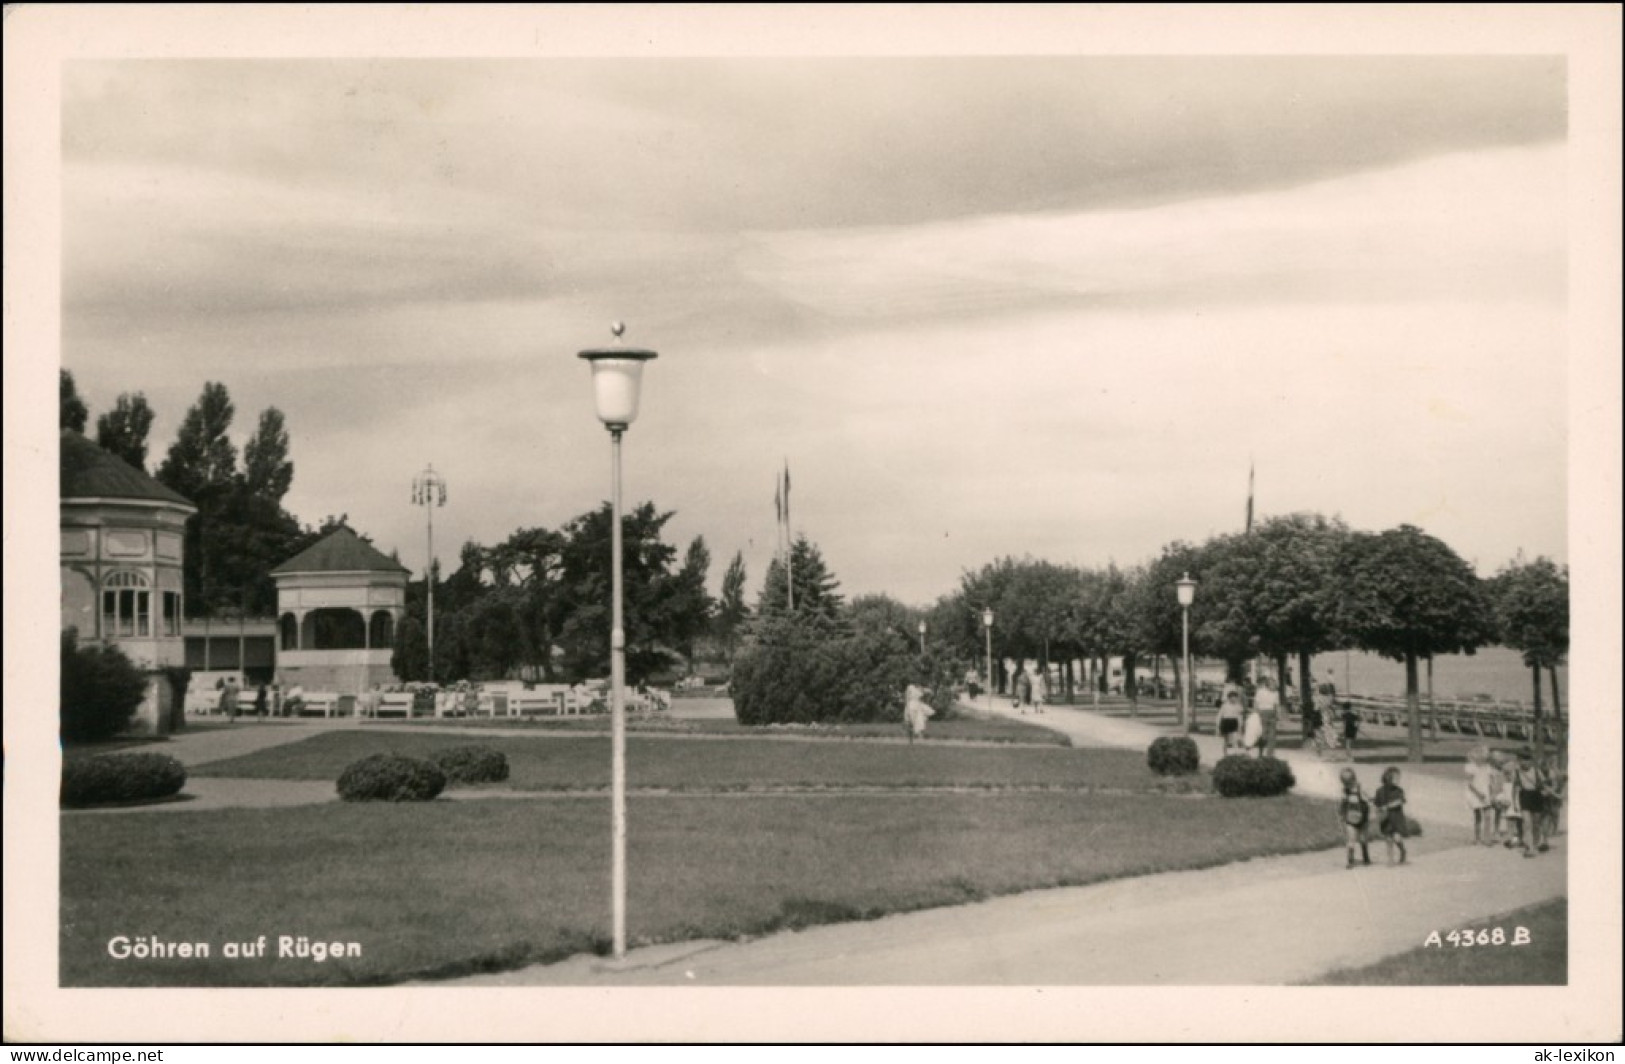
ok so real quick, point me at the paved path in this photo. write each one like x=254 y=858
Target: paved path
x=1263 y=922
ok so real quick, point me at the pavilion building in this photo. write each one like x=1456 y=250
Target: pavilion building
x=339 y=603
x=121 y=550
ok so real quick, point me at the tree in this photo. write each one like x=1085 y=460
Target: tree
x=732 y=613
x=202 y=456
x=123 y=429
x=582 y=607
x=1531 y=602
x=1405 y=595
x=410 y=659
x=266 y=469
x=1280 y=584
x=72 y=412
x=692 y=605
x=816 y=589
x=1155 y=618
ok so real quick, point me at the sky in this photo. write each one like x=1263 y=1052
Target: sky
x=980 y=307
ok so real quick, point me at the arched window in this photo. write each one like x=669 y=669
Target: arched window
x=126 y=605
x=383 y=630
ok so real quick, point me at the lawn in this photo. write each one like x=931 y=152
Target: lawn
x=1543 y=961
x=447 y=887
x=582 y=762
x=995 y=730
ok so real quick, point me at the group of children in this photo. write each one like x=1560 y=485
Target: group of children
x=1516 y=801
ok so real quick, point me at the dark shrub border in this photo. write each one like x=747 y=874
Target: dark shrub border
x=108 y=778
x=472 y=764
x=391 y=778
x=1173 y=755
x=1252 y=777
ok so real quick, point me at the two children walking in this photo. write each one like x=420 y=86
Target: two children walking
x=1356 y=811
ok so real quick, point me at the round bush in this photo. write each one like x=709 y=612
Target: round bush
x=121 y=778
x=391 y=778
x=472 y=764
x=1173 y=755
x=101 y=690
x=1252 y=777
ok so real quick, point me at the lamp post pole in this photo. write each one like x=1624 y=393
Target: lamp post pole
x=617 y=373
x=429 y=491
x=922 y=639
x=987 y=629
x=1187 y=594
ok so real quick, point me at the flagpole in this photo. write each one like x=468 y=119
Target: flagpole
x=790 y=543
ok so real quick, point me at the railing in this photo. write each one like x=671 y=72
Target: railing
x=1487 y=720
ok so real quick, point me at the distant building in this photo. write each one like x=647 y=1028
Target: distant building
x=122 y=547
x=339 y=603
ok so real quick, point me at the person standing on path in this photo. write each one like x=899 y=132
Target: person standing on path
x=1252 y=732
x=1526 y=794
x=1480 y=795
x=1230 y=721
x=260 y=703
x=1024 y=690
x=1390 y=802
x=1040 y=691
x=916 y=711
x=1355 y=812
x=228 y=699
x=1268 y=706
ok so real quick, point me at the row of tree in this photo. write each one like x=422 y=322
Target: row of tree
x=1293 y=587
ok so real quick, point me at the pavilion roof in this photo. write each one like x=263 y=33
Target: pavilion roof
x=340 y=551
x=89 y=472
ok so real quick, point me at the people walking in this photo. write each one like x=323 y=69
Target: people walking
x=1526 y=792
x=1390 y=803
x=1351 y=728
x=916 y=710
x=1355 y=813
x=1040 y=691
x=1252 y=732
x=260 y=704
x=1024 y=690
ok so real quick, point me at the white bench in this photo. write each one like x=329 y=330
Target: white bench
x=395 y=704
x=325 y=703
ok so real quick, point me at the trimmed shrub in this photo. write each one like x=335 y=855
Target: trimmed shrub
x=1173 y=755
x=120 y=778
x=101 y=690
x=1252 y=777
x=472 y=764
x=391 y=778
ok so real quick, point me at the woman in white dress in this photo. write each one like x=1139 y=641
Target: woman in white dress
x=916 y=710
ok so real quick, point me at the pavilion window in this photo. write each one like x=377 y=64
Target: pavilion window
x=126 y=606
x=172 y=613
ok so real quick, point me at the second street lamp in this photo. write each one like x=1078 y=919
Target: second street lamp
x=987 y=626
x=1187 y=595
x=922 y=639
x=617 y=373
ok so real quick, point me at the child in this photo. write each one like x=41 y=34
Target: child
x=1526 y=790
x=1355 y=813
x=1390 y=802
x=1230 y=720
x=1480 y=794
x=1557 y=784
x=1351 y=728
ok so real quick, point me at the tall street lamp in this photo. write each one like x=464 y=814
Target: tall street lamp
x=429 y=491
x=1187 y=595
x=922 y=639
x=616 y=374
x=987 y=628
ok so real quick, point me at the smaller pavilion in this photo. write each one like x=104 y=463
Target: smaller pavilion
x=339 y=603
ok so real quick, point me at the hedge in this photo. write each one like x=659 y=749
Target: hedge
x=391 y=778
x=120 y=778
x=1239 y=776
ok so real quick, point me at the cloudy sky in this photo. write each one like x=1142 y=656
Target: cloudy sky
x=982 y=306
